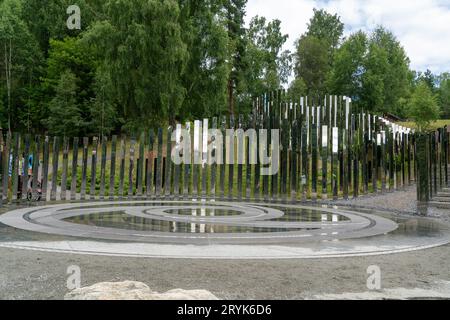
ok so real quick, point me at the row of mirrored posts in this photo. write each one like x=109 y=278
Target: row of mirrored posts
x=433 y=158
x=326 y=150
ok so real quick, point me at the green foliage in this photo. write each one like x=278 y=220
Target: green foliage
x=33 y=107
x=429 y=78
x=71 y=54
x=315 y=51
x=46 y=19
x=312 y=64
x=392 y=68
x=65 y=116
x=206 y=72
x=297 y=89
x=103 y=114
x=20 y=60
x=348 y=69
x=434 y=126
x=141 y=49
x=3 y=112
x=326 y=27
x=234 y=14
x=423 y=107
x=138 y=64
x=268 y=66
x=374 y=71
x=444 y=95
x=373 y=85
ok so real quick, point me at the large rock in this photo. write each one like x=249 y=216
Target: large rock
x=130 y=290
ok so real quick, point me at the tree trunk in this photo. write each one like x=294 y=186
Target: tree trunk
x=8 y=60
x=230 y=97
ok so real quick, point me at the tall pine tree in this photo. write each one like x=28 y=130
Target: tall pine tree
x=65 y=115
x=234 y=12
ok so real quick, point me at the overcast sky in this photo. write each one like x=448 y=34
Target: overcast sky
x=422 y=26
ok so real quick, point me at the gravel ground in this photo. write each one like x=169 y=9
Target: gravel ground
x=400 y=202
x=40 y=275
x=37 y=275
x=403 y=201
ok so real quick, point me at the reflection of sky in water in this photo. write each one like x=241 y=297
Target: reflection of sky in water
x=408 y=226
x=307 y=215
x=145 y=205
x=419 y=227
x=204 y=212
x=124 y=221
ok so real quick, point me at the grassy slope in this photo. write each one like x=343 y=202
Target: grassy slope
x=433 y=126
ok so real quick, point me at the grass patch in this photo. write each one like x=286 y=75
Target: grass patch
x=433 y=126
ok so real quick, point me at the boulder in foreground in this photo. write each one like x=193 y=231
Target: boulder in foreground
x=131 y=290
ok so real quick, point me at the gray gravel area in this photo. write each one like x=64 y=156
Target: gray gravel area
x=38 y=275
x=398 y=202
x=401 y=201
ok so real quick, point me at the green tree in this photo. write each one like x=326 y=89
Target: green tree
x=71 y=54
x=316 y=49
x=140 y=44
x=346 y=76
x=429 y=78
x=376 y=65
x=206 y=73
x=20 y=59
x=312 y=64
x=268 y=65
x=32 y=107
x=75 y=56
x=326 y=27
x=65 y=115
x=423 y=106
x=444 y=95
x=297 y=88
x=46 y=19
x=234 y=14
x=103 y=111
x=374 y=71
x=3 y=113
x=387 y=73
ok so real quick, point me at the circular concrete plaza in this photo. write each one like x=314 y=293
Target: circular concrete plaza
x=216 y=230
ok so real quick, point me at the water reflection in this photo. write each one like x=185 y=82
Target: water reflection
x=308 y=215
x=121 y=220
x=419 y=227
x=204 y=212
x=408 y=226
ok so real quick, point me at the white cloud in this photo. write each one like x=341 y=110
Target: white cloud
x=422 y=26
x=294 y=15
